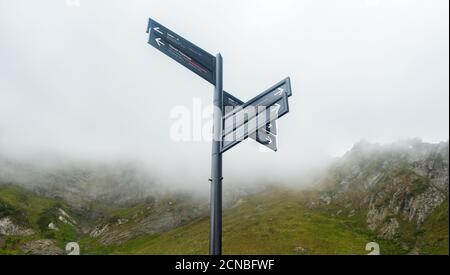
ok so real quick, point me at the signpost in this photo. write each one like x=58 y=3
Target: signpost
x=195 y=59
x=233 y=120
x=240 y=125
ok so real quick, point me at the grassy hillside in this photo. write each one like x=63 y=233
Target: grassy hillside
x=394 y=194
x=434 y=235
x=30 y=211
x=274 y=222
x=24 y=207
x=277 y=221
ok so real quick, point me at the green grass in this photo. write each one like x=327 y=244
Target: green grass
x=275 y=222
x=34 y=212
x=24 y=203
x=435 y=234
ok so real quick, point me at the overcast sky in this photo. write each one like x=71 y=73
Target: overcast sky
x=82 y=81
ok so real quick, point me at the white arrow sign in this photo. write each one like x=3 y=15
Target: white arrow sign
x=279 y=92
x=276 y=108
x=159 y=42
x=157 y=30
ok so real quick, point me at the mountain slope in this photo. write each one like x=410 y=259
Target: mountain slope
x=276 y=221
x=395 y=190
x=32 y=224
x=395 y=195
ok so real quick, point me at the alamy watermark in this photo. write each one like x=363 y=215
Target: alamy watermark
x=195 y=123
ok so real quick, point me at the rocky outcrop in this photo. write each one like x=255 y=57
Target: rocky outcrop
x=375 y=216
x=390 y=229
x=420 y=207
x=150 y=224
x=155 y=218
x=9 y=228
x=404 y=181
x=99 y=230
x=42 y=247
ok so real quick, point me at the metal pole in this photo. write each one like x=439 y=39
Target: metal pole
x=215 y=233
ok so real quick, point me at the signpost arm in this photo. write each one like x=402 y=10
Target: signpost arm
x=215 y=234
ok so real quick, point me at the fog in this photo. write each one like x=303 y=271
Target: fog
x=79 y=81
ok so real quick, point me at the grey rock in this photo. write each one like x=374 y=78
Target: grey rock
x=390 y=229
x=42 y=247
x=9 y=228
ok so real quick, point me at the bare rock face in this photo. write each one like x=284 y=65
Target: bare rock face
x=428 y=188
x=395 y=184
x=155 y=218
x=42 y=247
x=9 y=228
x=66 y=218
x=147 y=224
x=390 y=229
x=400 y=199
x=419 y=207
x=375 y=216
x=99 y=230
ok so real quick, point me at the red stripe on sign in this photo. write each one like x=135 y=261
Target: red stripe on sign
x=188 y=59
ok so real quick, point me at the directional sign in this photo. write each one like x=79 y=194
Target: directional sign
x=198 y=61
x=181 y=50
x=239 y=116
x=245 y=120
x=276 y=107
x=266 y=135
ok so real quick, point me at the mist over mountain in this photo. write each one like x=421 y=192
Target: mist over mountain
x=395 y=194
x=74 y=89
x=84 y=180
x=120 y=183
x=80 y=183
